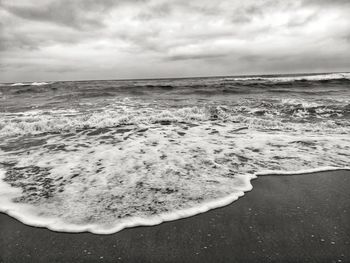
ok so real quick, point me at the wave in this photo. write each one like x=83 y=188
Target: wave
x=20 y=84
x=109 y=164
x=163 y=87
x=41 y=83
x=230 y=86
x=35 y=122
x=24 y=213
x=288 y=114
x=105 y=179
x=313 y=77
x=304 y=92
x=30 y=84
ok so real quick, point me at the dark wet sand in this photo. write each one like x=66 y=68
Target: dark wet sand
x=300 y=218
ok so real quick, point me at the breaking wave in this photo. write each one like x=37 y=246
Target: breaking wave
x=314 y=77
x=30 y=84
x=107 y=179
x=263 y=115
x=101 y=156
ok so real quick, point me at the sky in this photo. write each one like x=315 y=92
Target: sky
x=43 y=40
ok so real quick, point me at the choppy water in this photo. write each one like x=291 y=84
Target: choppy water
x=100 y=156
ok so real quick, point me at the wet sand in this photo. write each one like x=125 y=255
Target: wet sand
x=299 y=218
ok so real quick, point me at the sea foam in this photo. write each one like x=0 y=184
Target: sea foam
x=30 y=84
x=27 y=215
x=313 y=77
x=72 y=160
x=40 y=83
x=284 y=114
x=105 y=180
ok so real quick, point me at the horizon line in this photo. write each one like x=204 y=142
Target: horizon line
x=192 y=77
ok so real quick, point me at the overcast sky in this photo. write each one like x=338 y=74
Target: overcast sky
x=110 y=39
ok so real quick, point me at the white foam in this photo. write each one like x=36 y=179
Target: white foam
x=317 y=77
x=26 y=215
x=40 y=83
x=39 y=121
x=122 y=179
x=32 y=84
x=19 y=84
x=302 y=171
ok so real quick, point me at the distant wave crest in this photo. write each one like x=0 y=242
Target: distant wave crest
x=30 y=84
x=314 y=77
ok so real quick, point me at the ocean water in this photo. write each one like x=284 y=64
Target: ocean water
x=101 y=156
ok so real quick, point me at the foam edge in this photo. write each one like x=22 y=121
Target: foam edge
x=19 y=212
x=298 y=172
x=57 y=225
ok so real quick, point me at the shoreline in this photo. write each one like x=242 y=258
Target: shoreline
x=56 y=225
x=284 y=218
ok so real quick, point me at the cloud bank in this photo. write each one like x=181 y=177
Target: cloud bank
x=106 y=39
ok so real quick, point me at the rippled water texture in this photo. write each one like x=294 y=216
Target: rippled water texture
x=100 y=156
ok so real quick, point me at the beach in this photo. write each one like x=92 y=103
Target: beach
x=175 y=131
x=297 y=218
x=101 y=156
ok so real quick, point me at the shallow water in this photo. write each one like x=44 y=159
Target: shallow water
x=100 y=156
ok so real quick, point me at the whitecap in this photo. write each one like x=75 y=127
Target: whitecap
x=19 y=84
x=40 y=83
x=313 y=77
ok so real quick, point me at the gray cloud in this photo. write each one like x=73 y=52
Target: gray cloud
x=302 y=21
x=80 y=14
x=155 y=12
x=327 y=2
x=67 y=13
x=156 y=38
x=195 y=56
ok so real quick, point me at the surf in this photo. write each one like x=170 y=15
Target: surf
x=105 y=181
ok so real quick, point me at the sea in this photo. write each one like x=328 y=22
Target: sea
x=104 y=155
